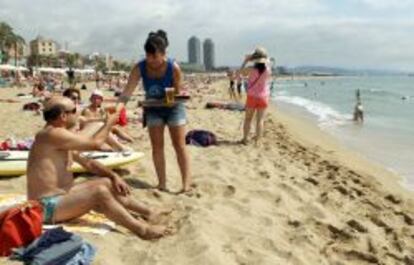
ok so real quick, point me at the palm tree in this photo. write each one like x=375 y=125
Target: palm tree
x=8 y=40
x=70 y=60
x=5 y=31
x=18 y=43
x=78 y=60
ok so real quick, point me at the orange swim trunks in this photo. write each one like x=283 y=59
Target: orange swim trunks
x=256 y=103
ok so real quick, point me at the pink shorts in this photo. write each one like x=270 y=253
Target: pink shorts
x=256 y=103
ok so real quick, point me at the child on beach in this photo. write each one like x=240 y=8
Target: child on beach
x=258 y=92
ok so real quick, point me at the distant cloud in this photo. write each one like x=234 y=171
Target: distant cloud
x=350 y=33
x=386 y=4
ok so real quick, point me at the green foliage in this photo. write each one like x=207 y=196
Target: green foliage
x=9 y=40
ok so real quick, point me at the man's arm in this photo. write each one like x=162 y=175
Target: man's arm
x=66 y=140
x=94 y=166
x=100 y=170
x=133 y=80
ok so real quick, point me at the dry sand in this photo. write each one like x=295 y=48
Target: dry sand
x=297 y=198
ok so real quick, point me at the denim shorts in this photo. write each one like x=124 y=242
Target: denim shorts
x=172 y=117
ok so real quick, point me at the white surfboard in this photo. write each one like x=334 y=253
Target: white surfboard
x=14 y=163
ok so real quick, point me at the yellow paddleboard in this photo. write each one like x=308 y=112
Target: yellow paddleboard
x=14 y=163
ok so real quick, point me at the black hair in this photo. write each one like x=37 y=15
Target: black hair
x=53 y=113
x=261 y=67
x=156 y=42
x=69 y=92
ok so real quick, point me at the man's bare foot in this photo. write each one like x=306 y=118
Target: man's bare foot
x=156 y=231
x=156 y=215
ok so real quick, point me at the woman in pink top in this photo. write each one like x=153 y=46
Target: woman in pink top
x=257 y=92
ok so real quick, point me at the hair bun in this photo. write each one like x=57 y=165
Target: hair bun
x=161 y=33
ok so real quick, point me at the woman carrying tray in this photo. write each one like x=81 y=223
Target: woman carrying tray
x=159 y=73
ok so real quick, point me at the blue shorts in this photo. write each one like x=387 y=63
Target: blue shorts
x=172 y=117
x=49 y=206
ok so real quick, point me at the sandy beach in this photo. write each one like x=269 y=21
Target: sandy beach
x=296 y=198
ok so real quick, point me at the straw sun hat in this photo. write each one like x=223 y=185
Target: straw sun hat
x=259 y=55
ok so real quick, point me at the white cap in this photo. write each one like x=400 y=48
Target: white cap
x=97 y=92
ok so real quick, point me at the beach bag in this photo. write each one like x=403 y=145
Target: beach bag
x=20 y=225
x=200 y=138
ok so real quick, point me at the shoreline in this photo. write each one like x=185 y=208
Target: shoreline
x=298 y=198
x=331 y=144
x=351 y=136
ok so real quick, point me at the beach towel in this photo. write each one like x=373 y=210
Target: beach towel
x=94 y=223
x=56 y=246
x=235 y=106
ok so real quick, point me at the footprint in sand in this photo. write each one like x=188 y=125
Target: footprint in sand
x=407 y=219
x=229 y=191
x=264 y=174
x=291 y=191
x=313 y=210
x=357 y=226
x=392 y=198
x=362 y=256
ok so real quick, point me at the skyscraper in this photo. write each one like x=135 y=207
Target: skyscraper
x=194 y=50
x=208 y=49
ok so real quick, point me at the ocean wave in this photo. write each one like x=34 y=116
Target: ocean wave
x=327 y=116
x=281 y=93
x=383 y=93
x=287 y=85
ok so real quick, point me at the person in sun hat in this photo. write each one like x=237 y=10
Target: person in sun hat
x=92 y=118
x=258 y=91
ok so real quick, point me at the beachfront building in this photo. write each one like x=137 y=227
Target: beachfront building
x=191 y=68
x=194 y=51
x=43 y=46
x=208 y=49
x=19 y=53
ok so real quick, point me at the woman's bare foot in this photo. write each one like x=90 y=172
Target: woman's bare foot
x=162 y=188
x=244 y=141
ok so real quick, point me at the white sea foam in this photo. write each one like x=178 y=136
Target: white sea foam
x=327 y=116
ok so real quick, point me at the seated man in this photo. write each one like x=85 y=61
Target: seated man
x=49 y=181
x=92 y=123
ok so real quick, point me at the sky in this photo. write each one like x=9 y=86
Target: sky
x=377 y=34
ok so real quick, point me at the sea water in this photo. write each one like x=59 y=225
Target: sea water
x=387 y=133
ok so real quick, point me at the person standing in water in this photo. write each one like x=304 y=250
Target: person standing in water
x=359 y=109
x=158 y=73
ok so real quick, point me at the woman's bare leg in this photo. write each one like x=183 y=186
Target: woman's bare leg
x=177 y=134
x=156 y=134
x=259 y=123
x=247 y=123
